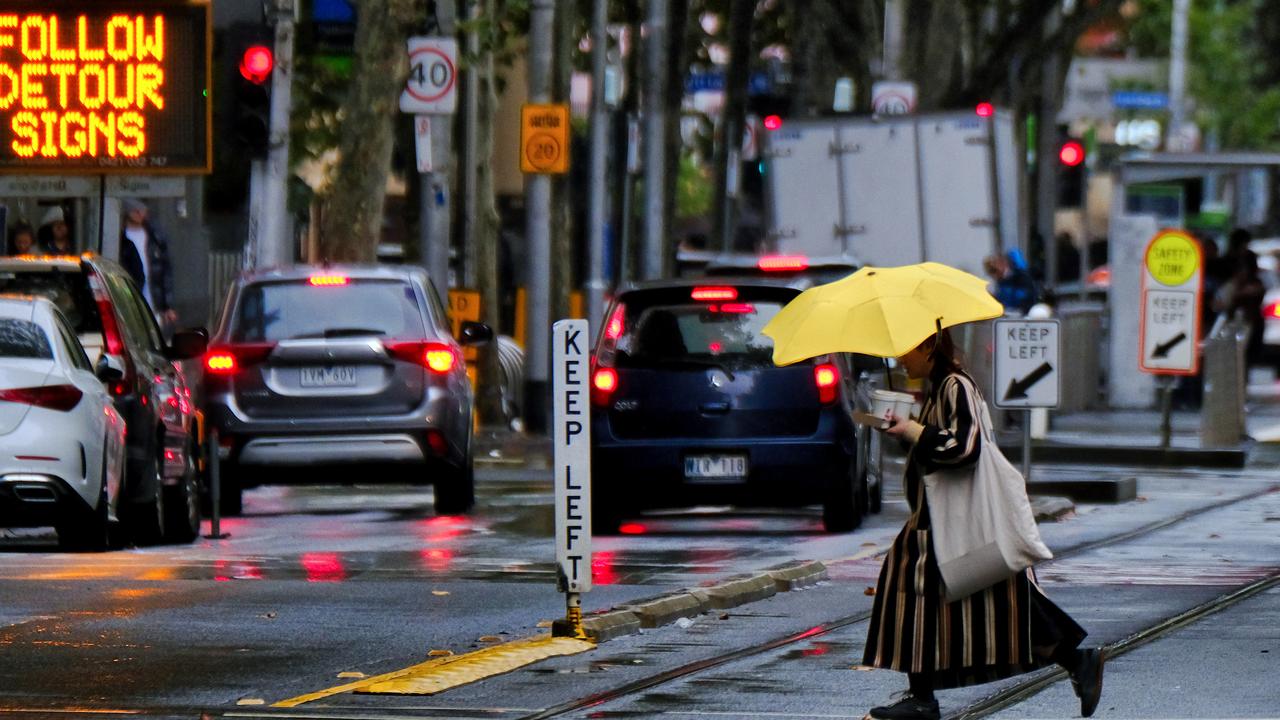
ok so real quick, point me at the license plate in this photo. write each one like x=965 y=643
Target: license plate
x=715 y=468
x=331 y=376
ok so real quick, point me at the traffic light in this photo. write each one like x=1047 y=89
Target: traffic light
x=251 y=120
x=1071 y=169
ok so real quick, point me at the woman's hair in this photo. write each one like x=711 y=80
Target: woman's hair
x=947 y=358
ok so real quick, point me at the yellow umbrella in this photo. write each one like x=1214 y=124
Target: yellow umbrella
x=878 y=311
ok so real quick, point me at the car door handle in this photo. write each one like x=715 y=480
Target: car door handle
x=714 y=408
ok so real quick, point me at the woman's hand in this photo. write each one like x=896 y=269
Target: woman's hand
x=904 y=428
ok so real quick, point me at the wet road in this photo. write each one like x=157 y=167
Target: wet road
x=317 y=582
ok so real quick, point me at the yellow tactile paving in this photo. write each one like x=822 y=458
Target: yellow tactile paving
x=440 y=674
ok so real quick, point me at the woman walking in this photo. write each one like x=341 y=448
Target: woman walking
x=1004 y=630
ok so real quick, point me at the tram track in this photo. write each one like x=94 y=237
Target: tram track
x=994 y=702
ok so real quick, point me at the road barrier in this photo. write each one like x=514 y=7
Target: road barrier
x=1082 y=356
x=1224 y=368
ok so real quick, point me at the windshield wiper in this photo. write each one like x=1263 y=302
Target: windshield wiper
x=339 y=332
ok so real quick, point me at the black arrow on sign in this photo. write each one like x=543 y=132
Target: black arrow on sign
x=1018 y=388
x=1162 y=349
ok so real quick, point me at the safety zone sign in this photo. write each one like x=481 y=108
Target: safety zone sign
x=544 y=139
x=1027 y=362
x=1172 y=283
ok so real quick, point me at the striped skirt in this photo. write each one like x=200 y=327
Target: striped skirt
x=1004 y=630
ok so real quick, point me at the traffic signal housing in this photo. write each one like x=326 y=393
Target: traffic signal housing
x=251 y=118
x=1071 y=168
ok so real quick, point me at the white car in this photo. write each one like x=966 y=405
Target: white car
x=61 y=438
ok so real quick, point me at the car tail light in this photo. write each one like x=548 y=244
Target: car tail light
x=437 y=357
x=113 y=341
x=613 y=329
x=53 y=397
x=329 y=280
x=714 y=294
x=231 y=359
x=783 y=263
x=1272 y=310
x=604 y=382
x=736 y=308
x=827 y=377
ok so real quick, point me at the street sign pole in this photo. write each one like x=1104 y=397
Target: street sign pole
x=571 y=434
x=431 y=95
x=1172 y=284
x=1027 y=376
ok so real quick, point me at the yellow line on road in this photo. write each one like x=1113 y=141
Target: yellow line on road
x=440 y=674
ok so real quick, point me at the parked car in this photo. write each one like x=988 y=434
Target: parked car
x=61 y=438
x=340 y=365
x=160 y=498
x=688 y=408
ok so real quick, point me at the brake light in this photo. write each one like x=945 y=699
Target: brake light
x=827 y=377
x=613 y=329
x=329 y=280
x=712 y=294
x=114 y=344
x=738 y=308
x=783 y=263
x=435 y=356
x=229 y=360
x=52 y=397
x=1272 y=310
x=604 y=381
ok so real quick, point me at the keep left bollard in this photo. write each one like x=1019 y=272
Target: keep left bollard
x=212 y=449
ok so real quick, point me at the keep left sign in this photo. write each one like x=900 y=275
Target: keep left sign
x=1172 y=283
x=571 y=433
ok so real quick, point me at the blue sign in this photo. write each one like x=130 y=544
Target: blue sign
x=332 y=11
x=758 y=84
x=1139 y=100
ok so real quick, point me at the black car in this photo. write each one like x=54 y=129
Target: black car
x=161 y=496
x=334 y=366
x=688 y=408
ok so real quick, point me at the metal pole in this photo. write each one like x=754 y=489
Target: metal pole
x=890 y=64
x=655 y=141
x=435 y=222
x=1047 y=170
x=212 y=449
x=1166 y=411
x=537 y=193
x=1026 y=445
x=596 y=284
x=1177 y=74
x=276 y=246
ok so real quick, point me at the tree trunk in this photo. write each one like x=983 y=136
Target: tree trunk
x=352 y=222
x=728 y=150
x=678 y=30
x=484 y=239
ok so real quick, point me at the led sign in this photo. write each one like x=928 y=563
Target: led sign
x=103 y=86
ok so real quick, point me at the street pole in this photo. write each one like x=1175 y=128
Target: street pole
x=537 y=196
x=435 y=222
x=728 y=154
x=891 y=67
x=596 y=284
x=276 y=245
x=655 y=141
x=1177 y=74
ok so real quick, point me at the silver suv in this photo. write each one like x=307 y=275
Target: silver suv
x=340 y=365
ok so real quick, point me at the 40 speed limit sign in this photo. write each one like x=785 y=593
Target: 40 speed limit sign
x=432 y=87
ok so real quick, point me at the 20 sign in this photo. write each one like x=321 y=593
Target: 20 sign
x=431 y=88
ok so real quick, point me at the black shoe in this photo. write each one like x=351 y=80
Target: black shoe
x=908 y=708
x=1087 y=679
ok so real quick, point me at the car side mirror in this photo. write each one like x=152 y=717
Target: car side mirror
x=108 y=370
x=187 y=344
x=474 y=333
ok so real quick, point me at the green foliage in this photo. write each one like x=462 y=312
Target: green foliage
x=1227 y=67
x=695 y=187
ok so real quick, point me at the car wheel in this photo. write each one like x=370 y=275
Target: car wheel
x=182 y=505
x=147 y=518
x=842 y=509
x=90 y=532
x=455 y=491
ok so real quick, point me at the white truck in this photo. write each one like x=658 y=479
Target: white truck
x=894 y=190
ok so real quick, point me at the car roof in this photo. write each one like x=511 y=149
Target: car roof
x=673 y=283
x=22 y=307
x=362 y=271
x=64 y=263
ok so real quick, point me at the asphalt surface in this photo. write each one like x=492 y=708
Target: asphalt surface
x=316 y=582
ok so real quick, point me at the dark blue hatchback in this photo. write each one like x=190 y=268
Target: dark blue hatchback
x=689 y=409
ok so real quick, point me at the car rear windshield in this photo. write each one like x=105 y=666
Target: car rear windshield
x=269 y=312
x=725 y=334
x=68 y=289
x=23 y=339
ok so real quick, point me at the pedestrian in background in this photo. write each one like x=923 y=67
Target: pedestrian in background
x=1001 y=631
x=144 y=253
x=22 y=240
x=55 y=233
x=1014 y=286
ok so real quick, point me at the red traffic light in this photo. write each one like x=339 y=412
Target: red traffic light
x=772 y=122
x=1071 y=154
x=256 y=64
x=985 y=109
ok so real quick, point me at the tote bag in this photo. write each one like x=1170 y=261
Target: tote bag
x=982 y=526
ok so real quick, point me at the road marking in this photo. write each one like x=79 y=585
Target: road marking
x=442 y=673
